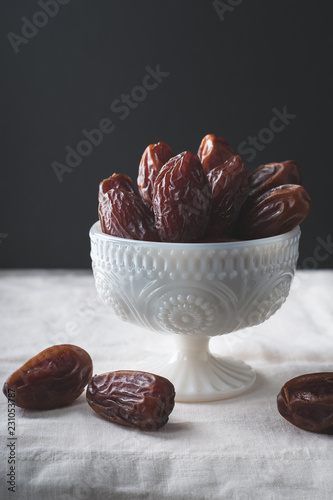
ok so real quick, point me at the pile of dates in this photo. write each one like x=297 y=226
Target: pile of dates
x=206 y=197
x=58 y=375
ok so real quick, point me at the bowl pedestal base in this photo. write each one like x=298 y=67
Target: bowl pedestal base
x=200 y=376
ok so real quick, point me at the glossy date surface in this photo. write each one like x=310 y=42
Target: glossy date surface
x=132 y=398
x=307 y=402
x=211 y=196
x=182 y=199
x=153 y=159
x=53 y=378
x=213 y=151
x=124 y=215
x=277 y=211
x=229 y=183
x=116 y=181
x=272 y=175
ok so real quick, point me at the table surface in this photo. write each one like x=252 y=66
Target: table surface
x=237 y=448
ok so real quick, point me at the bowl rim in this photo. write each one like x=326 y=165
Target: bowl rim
x=95 y=230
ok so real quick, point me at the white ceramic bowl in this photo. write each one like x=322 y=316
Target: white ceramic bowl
x=196 y=291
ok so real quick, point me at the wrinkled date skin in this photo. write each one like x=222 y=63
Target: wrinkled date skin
x=132 y=398
x=53 y=378
x=229 y=183
x=116 y=181
x=213 y=151
x=277 y=211
x=153 y=159
x=182 y=199
x=307 y=402
x=125 y=215
x=272 y=175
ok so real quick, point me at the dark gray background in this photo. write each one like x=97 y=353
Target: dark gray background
x=225 y=77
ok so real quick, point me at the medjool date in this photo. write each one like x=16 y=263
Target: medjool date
x=307 y=402
x=53 y=378
x=277 y=211
x=132 y=398
x=229 y=183
x=116 y=181
x=272 y=175
x=153 y=159
x=124 y=215
x=213 y=151
x=182 y=199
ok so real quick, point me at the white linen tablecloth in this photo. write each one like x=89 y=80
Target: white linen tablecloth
x=239 y=448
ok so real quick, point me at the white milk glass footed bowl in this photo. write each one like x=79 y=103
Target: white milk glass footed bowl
x=195 y=291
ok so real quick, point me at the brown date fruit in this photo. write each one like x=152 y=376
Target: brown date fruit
x=307 y=402
x=182 y=199
x=132 y=398
x=272 y=175
x=116 y=181
x=153 y=159
x=213 y=151
x=124 y=215
x=229 y=183
x=53 y=378
x=277 y=211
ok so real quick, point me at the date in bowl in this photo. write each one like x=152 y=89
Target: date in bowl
x=195 y=291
